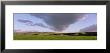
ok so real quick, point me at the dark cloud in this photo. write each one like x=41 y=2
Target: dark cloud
x=30 y=23
x=92 y=28
x=59 y=21
x=25 y=21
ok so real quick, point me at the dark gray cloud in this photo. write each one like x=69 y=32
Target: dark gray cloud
x=30 y=23
x=25 y=21
x=92 y=28
x=58 y=21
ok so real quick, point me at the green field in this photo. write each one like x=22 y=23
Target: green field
x=51 y=37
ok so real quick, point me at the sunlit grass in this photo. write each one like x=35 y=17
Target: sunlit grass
x=51 y=37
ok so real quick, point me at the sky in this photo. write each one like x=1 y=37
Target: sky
x=25 y=22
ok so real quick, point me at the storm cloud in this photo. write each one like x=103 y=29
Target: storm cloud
x=58 y=21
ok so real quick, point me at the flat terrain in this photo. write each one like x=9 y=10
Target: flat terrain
x=36 y=36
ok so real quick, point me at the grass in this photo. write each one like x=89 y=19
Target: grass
x=52 y=37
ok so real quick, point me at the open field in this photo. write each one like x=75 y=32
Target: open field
x=46 y=36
